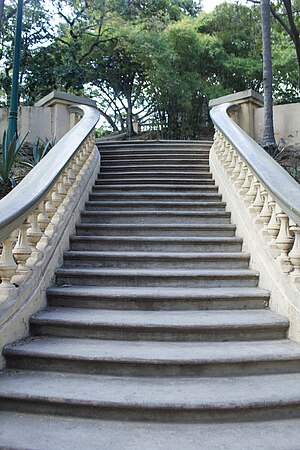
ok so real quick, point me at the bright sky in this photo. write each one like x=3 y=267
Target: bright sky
x=208 y=5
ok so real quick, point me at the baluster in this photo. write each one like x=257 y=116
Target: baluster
x=232 y=164
x=34 y=234
x=273 y=228
x=22 y=252
x=71 y=173
x=61 y=187
x=284 y=242
x=8 y=267
x=226 y=150
x=265 y=214
x=247 y=183
x=251 y=194
x=294 y=255
x=228 y=160
x=50 y=208
x=75 y=167
x=56 y=197
x=238 y=168
x=257 y=205
x=242 y=176
x=43 y=222
x=43 y=219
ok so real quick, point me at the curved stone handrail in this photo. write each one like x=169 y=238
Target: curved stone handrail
x=264 y=201
x=25 y=197
x=283 y=188
x=35 y=215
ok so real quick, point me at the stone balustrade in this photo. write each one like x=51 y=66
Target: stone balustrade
x=280 y=232
x=264 y=201
x=33 y=215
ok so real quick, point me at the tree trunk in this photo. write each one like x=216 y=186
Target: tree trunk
x=1 y=15
x=129 y=115
x=268 y=142
x=109 y=120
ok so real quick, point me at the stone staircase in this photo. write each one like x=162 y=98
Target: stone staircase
x=156 y=334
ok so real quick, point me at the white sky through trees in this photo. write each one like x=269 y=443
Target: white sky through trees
x=209 y=5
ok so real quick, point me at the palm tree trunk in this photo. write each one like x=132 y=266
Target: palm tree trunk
x=268 y=142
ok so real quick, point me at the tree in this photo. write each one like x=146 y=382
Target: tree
x=284 y=14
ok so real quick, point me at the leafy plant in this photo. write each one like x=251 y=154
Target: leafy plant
x=40 y=149
x=274 y=151
x=8 y=156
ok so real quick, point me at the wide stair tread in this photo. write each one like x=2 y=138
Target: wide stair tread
x=197 y=398
x=164 y=325
x=53 y=432
x=159 y=358
x=156 y=321
x=158 y=298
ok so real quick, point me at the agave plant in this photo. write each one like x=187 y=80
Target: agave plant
x=40 y=149
x=8 y=156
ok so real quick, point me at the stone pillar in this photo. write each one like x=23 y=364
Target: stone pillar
x=248 y=101
x=61 y=119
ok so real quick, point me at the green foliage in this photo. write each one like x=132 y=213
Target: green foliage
x=8 y=156
x=39 y=150
x=161 y=60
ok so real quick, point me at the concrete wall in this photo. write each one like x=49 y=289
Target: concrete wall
x=286 y=124
x=31 y=118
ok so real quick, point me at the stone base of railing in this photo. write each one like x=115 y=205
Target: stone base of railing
x=274 y=276
x=16 y=310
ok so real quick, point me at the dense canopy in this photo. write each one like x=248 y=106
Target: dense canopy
x=159 y=61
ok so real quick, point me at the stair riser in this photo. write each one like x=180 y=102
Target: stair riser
x=147 y=281
x=193 y=152
x=153 y=304
x=156 y=334
x=170 y=161
x=134 y=206
x=116 y=368
x=154 y=189
x=163 y=175
x=154 y=150
x=136 y=263
x=144 y=196
x=152 y=231
x=153 y=246
x=157 y=219
x=141 y=413
x=197 y=168
x=114 y=181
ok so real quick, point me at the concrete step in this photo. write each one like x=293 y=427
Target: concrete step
x=156 y=277
x=155 y=217
x=153 y=205
x=206 y=326
x=158 y=298
x=180 y=189
x=154 y=168
x=169 y=160
x=165 y=155
x=157 y=399
x=160 y=143
x=172 y=359
x=167 y=260
x=156 y=243
x=156 y=146
x=163 y=174
x=210 y=230
x=138 y=180
x=144 y=195
x=53 y=432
